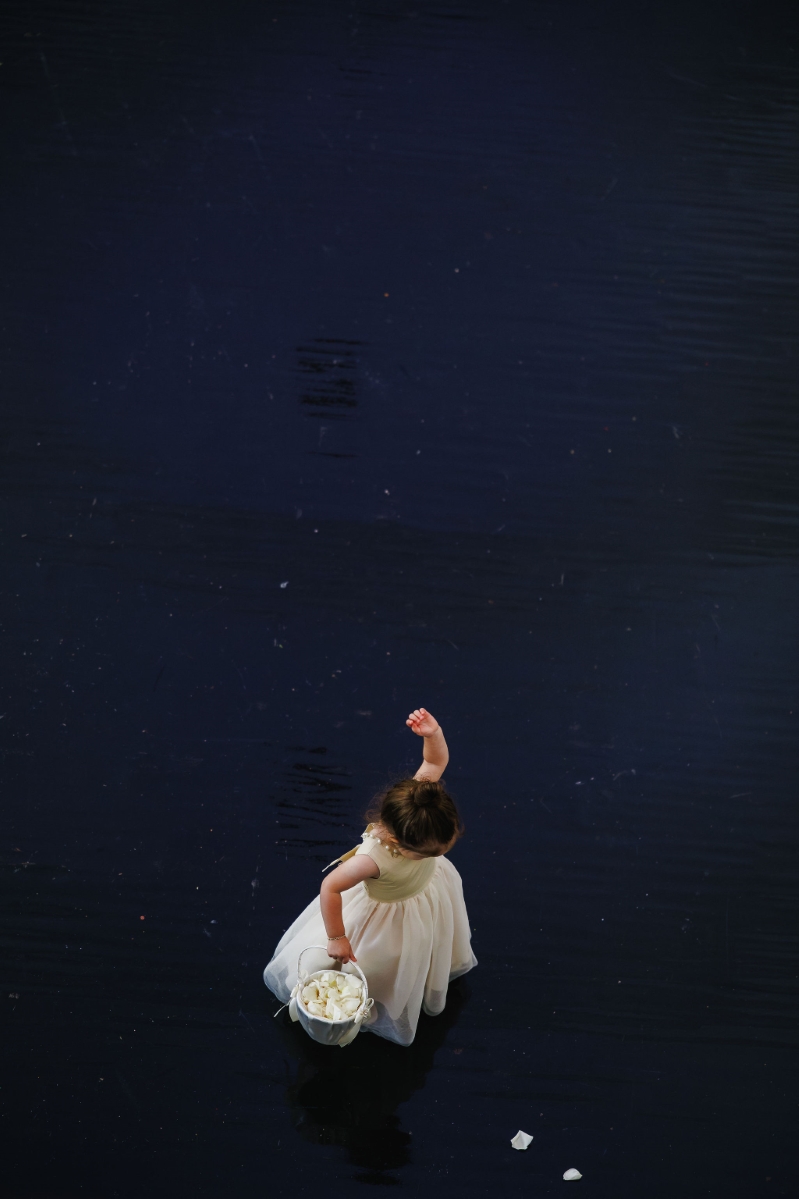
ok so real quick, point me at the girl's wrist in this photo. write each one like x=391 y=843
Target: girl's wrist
x=340 y=937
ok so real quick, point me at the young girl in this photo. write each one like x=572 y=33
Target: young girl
x=396 y=901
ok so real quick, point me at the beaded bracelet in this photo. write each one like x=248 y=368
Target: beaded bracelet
x=340 y=937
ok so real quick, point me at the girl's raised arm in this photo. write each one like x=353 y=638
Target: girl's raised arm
x=436 y=754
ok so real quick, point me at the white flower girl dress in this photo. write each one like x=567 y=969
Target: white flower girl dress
x=410 y=933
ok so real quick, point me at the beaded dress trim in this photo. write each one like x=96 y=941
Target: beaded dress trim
x=345 y=857
x=395 y=853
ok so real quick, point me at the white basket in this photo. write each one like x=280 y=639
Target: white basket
x=328 y=1032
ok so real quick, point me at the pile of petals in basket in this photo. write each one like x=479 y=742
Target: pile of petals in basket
x=332 y=995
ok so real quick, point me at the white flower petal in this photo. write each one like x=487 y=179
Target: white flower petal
x=331 y=994
x=572 y=1175
x=521 y=1140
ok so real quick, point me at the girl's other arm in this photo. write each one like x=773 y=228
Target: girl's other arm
x=436 y=754
x=341 y=879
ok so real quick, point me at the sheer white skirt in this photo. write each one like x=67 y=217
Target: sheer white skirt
x=409 y=950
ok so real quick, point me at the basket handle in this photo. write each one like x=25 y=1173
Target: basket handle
x=301 y=976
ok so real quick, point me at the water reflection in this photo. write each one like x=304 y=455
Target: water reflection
x=351 y=1099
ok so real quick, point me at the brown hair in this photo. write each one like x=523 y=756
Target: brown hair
x=419 y=813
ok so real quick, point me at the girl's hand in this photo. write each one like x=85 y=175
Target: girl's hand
x=341 y=950
x=422 y=723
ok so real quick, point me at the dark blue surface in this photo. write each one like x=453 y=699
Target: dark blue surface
x=362 y=358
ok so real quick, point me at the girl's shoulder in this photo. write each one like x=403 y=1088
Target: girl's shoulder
x=378 y=836
x=379 y=849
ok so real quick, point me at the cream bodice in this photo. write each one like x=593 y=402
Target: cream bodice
x=400 y=878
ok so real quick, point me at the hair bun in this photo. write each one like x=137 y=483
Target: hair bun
x=427 y=794
x=419 y=814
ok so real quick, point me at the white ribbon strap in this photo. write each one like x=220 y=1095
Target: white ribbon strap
x=291 y=996
x=361 y=1015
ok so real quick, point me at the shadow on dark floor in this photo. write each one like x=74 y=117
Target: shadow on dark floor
x=350 y=1097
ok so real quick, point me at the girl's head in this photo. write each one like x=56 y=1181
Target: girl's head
x=420 y=816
